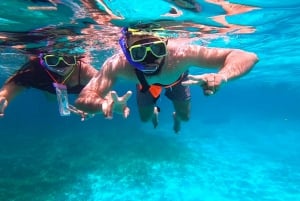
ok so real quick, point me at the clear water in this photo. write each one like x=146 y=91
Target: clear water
x=241 y=144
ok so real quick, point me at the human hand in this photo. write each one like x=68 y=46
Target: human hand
x=114 y=103
x=3 y=105
x=84 y=115
x=210 y=82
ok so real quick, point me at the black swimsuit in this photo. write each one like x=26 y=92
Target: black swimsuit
x=32 y=74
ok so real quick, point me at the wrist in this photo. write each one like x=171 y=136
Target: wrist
x=3 y=99
x=90 y=104
x=224 y=76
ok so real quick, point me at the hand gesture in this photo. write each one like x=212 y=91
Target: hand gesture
x=117 y=104
x=209 y=82
x=84 y=115
x=3 y=105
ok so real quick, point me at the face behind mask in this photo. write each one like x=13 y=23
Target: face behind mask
x=145 y=54
x=61 y=65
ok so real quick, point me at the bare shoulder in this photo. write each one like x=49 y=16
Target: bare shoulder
x=115 y=61
x=88 y=70
x=179 y=42
x=193 y=45
x=118 y=66
x=185 y=49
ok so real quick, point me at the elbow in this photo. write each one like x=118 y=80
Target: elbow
x=250 y=60
x=250 y=57
x=254 y=58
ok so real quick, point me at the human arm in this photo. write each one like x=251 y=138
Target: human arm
x=87 y=72
x=112 y=103
x=231 y=64
x=92 y=96
x=96 y=96
x=7 y=93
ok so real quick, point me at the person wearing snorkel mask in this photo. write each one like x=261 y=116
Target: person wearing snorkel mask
x=43 y=72
x=154 y=63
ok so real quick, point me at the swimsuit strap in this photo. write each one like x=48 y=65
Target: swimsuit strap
x=52 y=77
x=141 y=76
x=171 y=85
x=79 y=77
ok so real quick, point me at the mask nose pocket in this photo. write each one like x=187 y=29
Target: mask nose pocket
x=150 y=58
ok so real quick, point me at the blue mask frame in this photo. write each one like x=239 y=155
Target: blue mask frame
x=137 y=65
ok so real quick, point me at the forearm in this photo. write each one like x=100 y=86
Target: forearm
x=93 y=94
x=10 y=90
x=238 y=63
x=89 y=101
x=7 y=93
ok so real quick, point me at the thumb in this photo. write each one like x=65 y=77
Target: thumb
x=114 y=96
x=107 y=109
x=194 y=80
x=3 y=105
x=127 y=96
x=189 y=82
x=124 y=98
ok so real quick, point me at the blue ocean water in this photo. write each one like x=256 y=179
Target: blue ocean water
x=240 y=144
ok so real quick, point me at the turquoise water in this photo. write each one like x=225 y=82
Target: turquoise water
x=240 y=144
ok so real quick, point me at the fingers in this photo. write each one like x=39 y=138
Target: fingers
x=119 y=104
x=209 y=87
x=125 y=99
x=121 y=99
x=3 y=105
x=195 y=77
x=210 y=82
x=126 y=112
x=114 y=103
x=189 y=83
x=208 y=92
x=84 y=115
x=194 y=80
x=114 y=96
x=127 y=96
x=107 y=109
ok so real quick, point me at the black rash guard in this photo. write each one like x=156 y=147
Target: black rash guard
x=32 y=74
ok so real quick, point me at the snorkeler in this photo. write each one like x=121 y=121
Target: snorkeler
x=52 y=73
x=155 y=62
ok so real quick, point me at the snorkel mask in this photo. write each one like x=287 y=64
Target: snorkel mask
x=142 y=56
x=61 y=65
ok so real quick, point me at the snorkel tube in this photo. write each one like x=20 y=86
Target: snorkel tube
x=122 y=42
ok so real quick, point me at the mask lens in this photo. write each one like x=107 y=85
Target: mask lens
x=51 y=60
x=158 y=49
x=69 y=60
x=138 y=53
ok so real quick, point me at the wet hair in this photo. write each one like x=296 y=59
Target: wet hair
x=142 y=29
